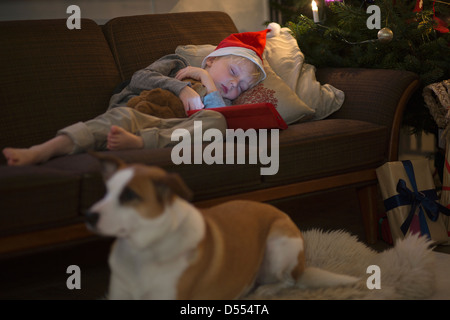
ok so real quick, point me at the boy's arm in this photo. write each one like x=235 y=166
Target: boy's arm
x=213 y=99
x=191 y=99
x=160 y=74
x=198 y=74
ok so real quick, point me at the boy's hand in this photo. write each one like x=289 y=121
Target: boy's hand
x=191 y=99
x=197 y=74
x=191 y=72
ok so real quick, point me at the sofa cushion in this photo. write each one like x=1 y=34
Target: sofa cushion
x=283 y=54
x=328 y=147
x=87 y=168
x=137 y=41
x=273 y=90
x=34 y=197
x=204 y=180
x=51 y=77
x=321 y=147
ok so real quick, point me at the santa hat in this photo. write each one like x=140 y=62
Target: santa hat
x=249 y=45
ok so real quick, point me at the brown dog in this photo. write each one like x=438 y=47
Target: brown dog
x=168 y=249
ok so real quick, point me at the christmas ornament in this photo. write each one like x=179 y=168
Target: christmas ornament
x=441 y=25
x=385 y=35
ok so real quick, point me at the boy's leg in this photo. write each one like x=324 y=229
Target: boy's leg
x=58 y=146
x=76 y=138
x=158 y=134
x=93 y=134
x=161 y=136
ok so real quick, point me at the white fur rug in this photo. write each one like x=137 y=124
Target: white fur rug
x=406 y=271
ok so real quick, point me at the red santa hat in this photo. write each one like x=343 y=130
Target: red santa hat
x=249 y=45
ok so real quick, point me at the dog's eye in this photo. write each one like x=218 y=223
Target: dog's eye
x=128 y=195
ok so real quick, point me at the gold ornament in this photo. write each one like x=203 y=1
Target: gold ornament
x=385 y=35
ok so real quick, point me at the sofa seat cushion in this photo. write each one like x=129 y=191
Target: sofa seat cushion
x=88 y=169
x=35 y=197
x=204 y=180
x=328 y=147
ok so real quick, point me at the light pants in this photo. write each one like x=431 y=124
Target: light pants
x=155 y=132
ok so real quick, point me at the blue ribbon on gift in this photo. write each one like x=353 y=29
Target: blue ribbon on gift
x=425 y=200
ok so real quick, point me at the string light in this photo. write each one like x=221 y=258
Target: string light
x=385 y=35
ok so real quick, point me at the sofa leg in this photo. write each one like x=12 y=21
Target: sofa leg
x=368 y=203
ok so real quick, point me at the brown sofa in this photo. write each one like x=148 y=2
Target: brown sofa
x=53 y=77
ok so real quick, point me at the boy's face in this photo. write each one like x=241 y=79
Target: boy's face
x=230 y=77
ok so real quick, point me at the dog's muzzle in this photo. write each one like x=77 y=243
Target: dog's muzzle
x=92 y=219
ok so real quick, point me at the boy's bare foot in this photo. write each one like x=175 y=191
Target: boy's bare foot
x=58 y=146
x=21 y=157
x=120 y=139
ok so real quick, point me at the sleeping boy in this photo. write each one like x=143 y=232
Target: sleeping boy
x=232 y=68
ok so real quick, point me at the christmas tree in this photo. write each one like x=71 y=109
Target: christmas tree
x=342 y=38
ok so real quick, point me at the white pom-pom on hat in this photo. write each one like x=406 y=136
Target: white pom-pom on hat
x=274 y=30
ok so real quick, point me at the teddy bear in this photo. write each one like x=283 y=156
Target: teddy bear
x=163 y=103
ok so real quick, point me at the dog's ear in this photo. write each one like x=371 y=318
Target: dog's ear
x=109 y=164
x=172 y=184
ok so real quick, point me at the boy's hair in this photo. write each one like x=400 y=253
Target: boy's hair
x=256 y=74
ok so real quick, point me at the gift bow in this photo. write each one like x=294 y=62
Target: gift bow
x=425 y=200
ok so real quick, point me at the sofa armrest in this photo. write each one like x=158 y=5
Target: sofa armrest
x=378 y=96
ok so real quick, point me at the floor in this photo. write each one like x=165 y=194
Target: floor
x=44 y=275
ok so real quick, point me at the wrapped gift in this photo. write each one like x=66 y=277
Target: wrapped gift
x=411 y=201
x=383 y=229
x=445 y=195
x=437 y=99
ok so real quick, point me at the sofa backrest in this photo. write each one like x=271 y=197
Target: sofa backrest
x=51 y=77
x=137 y=41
